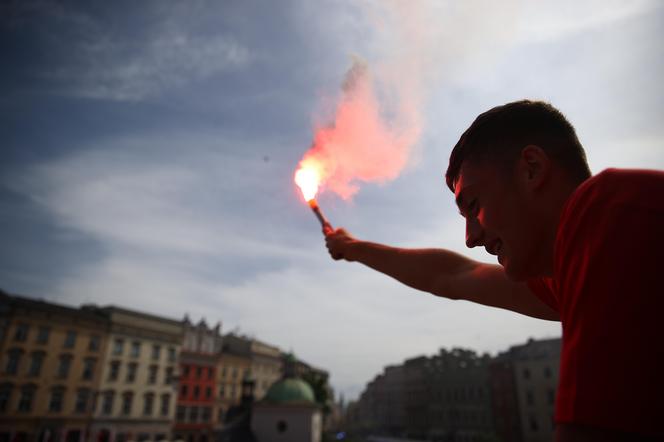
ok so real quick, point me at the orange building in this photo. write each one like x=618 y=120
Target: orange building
x=49 y=369
x=195 y=418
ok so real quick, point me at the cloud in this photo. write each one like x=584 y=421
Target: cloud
x=546 y=21
x=92 y=53
x=124 y=71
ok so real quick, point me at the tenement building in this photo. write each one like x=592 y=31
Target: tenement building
x=536 y=366
x=50 y=357
x=266 y=361
x=443 y=397
x=233 y=368
x=137 y=392
x=197 y=415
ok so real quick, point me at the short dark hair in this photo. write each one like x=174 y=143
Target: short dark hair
x=500 y=134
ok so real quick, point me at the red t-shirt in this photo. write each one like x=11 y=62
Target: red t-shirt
x=607 y=287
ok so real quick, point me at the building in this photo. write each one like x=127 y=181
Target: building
x=505 y=403
x=137 y=392
x=461 y=408
x=443 y=397
x=197 y=415
x=266 y=363
x=319 y=380
x=51 y=356
x=536 y=365
x=232 y=369
x=288 y=412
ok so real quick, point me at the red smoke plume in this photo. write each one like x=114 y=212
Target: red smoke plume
x=363 y=144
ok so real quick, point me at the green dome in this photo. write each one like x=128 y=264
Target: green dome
x=290 y=390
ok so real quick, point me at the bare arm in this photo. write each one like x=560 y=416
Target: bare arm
x=442 y=273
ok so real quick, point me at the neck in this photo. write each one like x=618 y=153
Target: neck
x=557 y=196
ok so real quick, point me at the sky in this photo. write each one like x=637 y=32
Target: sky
x=148 y=153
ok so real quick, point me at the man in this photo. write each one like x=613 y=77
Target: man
x=579 y=249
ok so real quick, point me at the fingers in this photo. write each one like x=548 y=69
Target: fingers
x=334 y=242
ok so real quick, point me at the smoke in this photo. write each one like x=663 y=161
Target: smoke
x=378 y=119
x=363 y=144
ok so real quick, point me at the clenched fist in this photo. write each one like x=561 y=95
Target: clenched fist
x=339 y=243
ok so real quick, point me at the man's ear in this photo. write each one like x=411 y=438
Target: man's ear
x=534 y=166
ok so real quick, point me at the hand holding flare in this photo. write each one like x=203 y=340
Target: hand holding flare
x=307 y=178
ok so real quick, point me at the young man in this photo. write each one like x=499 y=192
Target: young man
x=579 y=249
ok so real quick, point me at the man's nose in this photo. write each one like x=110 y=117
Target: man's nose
x=474 y=233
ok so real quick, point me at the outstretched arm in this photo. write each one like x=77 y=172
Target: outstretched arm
x=442 y=273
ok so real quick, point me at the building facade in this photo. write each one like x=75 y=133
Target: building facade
x=197 y=415
x=443 y=397
x=505 y=403
x=536 y=366
x=266 y=362
x=137 y=392
x=232 y=369
x=50 y=359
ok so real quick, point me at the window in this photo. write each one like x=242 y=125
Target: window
x=89 y=368
x=70 y=339
x=152 y=374
x=42 y=335
x=532 y=421
x=234 y=373
x=114 y=371
x=148 y=404
x=135 y=349
x=180 y=413
x=208 y=392
x=185 y=371
x=199 y=372
x=118 y=347
x=93 y=345
x=13 y=360
x=107 y=402
x=21 y=333
x=183 y=391
x=5 y=396
x=551 y=396
x=210 y=372
x=223 y=371
x=197 y=391
x=547 y=372
x=172 y=356
x=165 y=404
x=131 y=372
x=156 y=352
x=221 y=391
x=57 y=396
x=63 y=366
x=193 y=414
x=168 y=378
x=127 y=400
x=206 y=414
x=36 y=363
x=82 y=400
x=530 y=397
x=26 y=398
x=526 y=373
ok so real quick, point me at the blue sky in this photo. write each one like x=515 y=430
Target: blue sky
x=148 y=152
